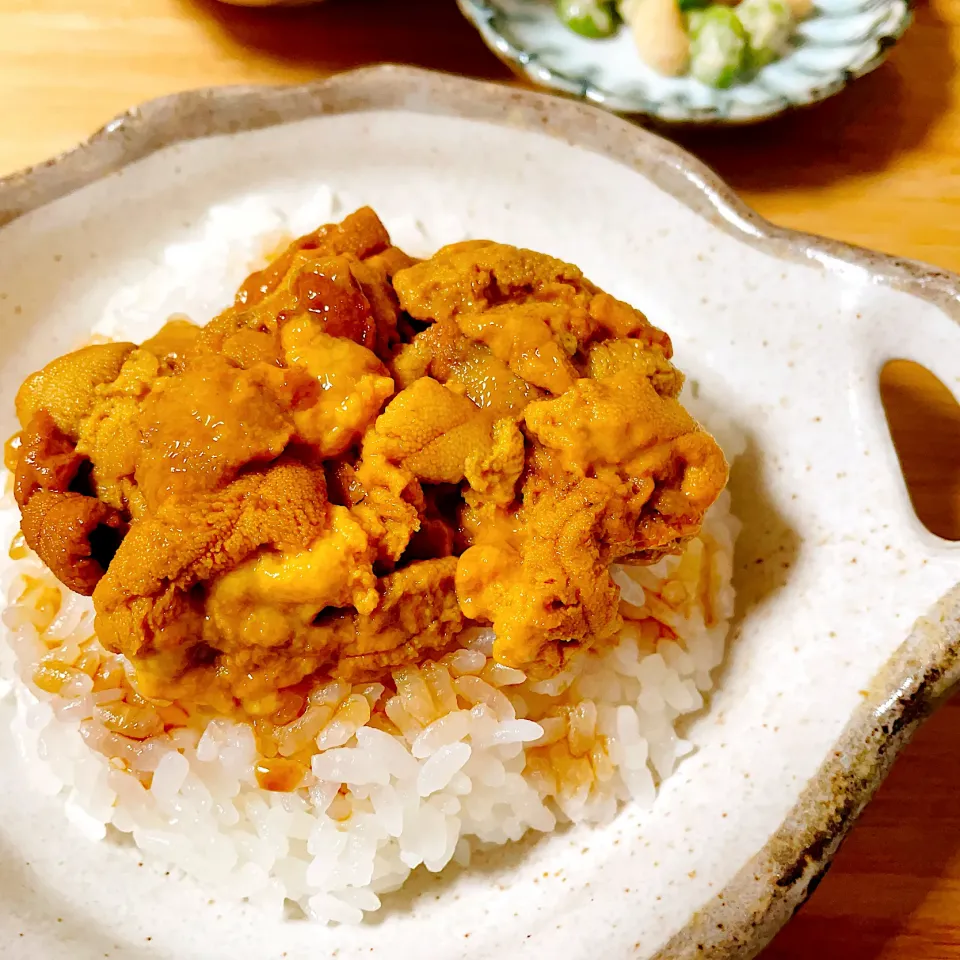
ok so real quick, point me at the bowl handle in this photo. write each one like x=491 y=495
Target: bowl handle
x=934 y=343
x=932 y=339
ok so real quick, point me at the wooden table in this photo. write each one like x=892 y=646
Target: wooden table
x=878 y=165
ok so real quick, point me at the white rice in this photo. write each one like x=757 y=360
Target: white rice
x=414 y=778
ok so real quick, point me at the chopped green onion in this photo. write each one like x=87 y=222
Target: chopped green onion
x=769 y=25
x=590 y=18
x=718 y=46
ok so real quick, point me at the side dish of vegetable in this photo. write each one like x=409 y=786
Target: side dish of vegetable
x=717 y=43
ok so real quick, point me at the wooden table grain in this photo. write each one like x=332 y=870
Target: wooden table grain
x=878 y=165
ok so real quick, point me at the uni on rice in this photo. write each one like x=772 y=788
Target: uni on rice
x=390 y=560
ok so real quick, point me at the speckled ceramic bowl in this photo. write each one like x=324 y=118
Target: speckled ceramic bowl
x=840 y=41
x=846 y=631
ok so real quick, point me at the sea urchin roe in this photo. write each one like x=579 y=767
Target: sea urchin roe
x=51 y=675
x=18 y=547
x=11 y=452
x=280 y=774
x=361 y=457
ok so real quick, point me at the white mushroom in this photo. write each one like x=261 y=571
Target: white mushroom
x=659 y=34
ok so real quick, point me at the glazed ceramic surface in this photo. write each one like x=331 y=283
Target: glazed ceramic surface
x=828 y=670
x=841 y=40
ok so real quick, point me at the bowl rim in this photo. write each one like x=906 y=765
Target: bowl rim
x=483 y=14
x=924 y=669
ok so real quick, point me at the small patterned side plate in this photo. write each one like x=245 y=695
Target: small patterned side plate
x=840 y=41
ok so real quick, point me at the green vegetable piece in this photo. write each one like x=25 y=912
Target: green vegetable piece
x=687 y=5
x=718 y=46
x=769 y=24
x=595 y=19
